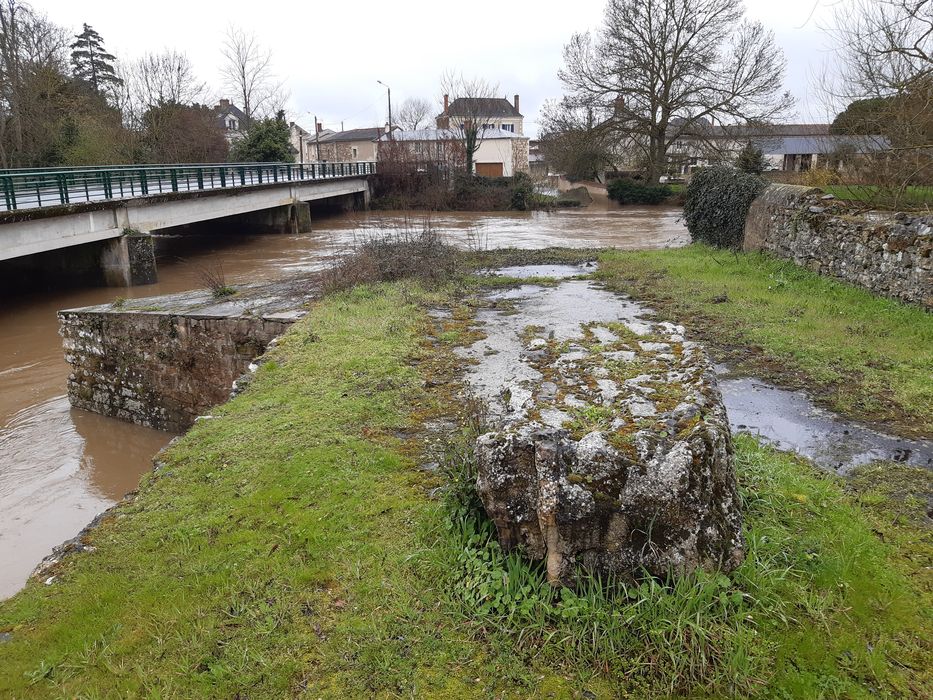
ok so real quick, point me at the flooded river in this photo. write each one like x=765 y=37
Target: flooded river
x=59 y=467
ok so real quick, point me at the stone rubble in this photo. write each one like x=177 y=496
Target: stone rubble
x=614 y=454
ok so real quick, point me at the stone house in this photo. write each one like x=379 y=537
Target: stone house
x=786 y=147
x=490 y=112
x=231 y=119
x=501 y=153
x=350 y=146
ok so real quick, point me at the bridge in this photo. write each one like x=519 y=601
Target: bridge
x=118 y=207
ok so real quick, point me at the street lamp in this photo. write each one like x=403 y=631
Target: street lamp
x=389 y=94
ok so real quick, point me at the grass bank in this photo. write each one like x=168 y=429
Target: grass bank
x=859 y=354
x=292 y=547
x=915 y=197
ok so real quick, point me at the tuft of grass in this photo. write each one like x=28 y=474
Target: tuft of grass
x=864 y=356
x=816 y=605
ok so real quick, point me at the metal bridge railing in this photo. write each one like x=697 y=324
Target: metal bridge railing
x=38 y=187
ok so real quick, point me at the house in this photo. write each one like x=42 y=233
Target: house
x=350 y=146
x=231 y=119
x=304 y=142
x=786 y=147
x=501 y=153
x=490 y=112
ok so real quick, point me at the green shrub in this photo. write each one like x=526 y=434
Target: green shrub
x=717 y=202
x=630 y=192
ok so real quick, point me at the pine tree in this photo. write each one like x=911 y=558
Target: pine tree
x=91 y=63
x=751 y=160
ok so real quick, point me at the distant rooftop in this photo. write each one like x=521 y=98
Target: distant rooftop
x=448 y=135
x=366 y=134
x=490 y=107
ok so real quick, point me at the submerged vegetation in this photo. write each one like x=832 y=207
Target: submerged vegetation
x=298 y=545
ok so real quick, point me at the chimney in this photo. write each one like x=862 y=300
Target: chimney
x=516 y=104
x=319 y=127
x=225 y=104
x=446 y=103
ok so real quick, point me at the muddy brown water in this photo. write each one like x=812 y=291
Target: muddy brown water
x=59 y=466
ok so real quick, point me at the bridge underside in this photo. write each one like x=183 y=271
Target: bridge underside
x=123 y=251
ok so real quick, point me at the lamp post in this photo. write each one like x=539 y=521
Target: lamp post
x=389 y=95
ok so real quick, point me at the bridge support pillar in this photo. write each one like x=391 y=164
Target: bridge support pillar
x=302 y=217
x=129 y=260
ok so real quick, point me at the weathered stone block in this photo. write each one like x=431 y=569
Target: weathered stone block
x=626 y=466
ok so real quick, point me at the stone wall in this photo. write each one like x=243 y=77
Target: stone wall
x=888 y=254
x=158 y=369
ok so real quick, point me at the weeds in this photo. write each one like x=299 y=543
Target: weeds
x=813 y=572
x=213 y=277
x=411 y=252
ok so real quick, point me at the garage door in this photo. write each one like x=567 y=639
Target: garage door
x=489 y=169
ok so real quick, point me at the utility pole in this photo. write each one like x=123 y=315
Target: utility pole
x=389 y=93
x=317 y=139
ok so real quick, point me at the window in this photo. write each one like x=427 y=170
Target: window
x=232 y=124
x=354 y=151
x=508 y=127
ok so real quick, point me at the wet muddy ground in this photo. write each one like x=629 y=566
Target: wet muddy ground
x=787 y=419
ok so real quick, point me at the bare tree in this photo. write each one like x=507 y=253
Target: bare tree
x=662 y=69
x=576 y=141
x=247 y=71
x=159 y=79
x=885 y=93
x=469 y=109
x=32 y=74
x=414 y=114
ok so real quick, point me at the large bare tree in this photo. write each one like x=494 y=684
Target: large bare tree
x=659 y=70
x=33 y=59
x=158 y=79
x=884 y=60
x=469 y=122
x=414 y=114
x=248 y=73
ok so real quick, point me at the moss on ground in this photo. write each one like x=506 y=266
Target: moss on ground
x=291 y=547
x=864 y=356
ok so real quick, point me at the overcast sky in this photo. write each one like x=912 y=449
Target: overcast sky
x=331 y=53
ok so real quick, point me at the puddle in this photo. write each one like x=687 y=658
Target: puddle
x=787 y=419
x=552 y=271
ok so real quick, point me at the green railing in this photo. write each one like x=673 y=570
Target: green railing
x=41 y=187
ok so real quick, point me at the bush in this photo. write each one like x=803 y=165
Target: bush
x=630 y=192
x=409 y=253
x=716 y=204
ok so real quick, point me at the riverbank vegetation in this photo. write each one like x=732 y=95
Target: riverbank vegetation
x=317 y=537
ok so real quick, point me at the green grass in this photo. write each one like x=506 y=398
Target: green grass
x=862 y=355
x=290 y=547
x=913 y=197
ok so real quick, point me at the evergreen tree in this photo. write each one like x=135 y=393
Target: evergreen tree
x=266 y=141
x=91 y=63
x=751 y=160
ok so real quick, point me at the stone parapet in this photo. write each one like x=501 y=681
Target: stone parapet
x=890 y=254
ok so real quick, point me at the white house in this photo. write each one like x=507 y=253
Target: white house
x=501 y=153
x=489 y=112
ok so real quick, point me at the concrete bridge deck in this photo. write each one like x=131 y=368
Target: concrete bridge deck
x=53 y=210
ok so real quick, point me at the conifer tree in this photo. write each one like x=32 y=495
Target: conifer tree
x=91 y=63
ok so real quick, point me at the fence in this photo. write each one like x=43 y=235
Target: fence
x=38 y=187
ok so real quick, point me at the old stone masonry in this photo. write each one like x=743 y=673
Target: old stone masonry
x=614 y=454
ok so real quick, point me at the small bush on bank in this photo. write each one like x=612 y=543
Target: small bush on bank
x=716 y=204
x=407 y=254
x=630 y=192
